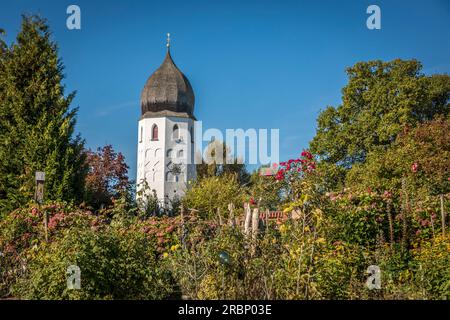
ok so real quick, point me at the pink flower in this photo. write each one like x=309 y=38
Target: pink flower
x=170 y=228
x=34 y=212
x=414 y=167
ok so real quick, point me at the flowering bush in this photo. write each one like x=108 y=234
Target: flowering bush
x=295 y=169
x=360 y=217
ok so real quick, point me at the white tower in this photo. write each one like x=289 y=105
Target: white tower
x=165 y=161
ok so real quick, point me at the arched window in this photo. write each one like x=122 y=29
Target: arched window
x=154 y=132
x=176 y=132
x=169 y=176
x=192 y=134
x=169 y=153
x=141 y=134
x=180 y=154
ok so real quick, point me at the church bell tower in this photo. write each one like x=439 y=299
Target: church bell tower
x=165 y=161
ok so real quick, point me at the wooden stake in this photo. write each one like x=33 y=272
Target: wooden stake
x=248 y=219
x=442 y=214
x=231 y=220
x=255 y=222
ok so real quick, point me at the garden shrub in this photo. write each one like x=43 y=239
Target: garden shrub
x=114 y=264
x=431 y=265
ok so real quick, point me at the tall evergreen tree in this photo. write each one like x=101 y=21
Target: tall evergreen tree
x=36 y=121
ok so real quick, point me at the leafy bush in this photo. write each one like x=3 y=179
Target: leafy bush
x=114 y=264
x=212 y=193
x=431 y=261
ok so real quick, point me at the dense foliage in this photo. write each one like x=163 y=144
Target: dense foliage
x=107 y=178
x=374 y=191
x=36 y=121
x=380 y=99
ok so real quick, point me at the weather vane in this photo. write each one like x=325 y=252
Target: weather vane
x=168 y=40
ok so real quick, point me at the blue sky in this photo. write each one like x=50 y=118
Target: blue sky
x=252 y=64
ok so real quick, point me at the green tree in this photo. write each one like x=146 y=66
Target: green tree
x=378 y=101
x=36 y=121
x=421 y=154
x=266 y=190
x=212 y=193
x=217 y=161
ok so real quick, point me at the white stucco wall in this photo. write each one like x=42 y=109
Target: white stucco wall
x=154 y=158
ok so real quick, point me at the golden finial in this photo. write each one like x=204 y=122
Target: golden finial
x=168 y=41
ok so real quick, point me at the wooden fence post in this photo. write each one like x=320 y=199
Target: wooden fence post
x=442 y=214
x=248 y=219
x=219 y=217
x=255 y=223
x=231 y=220
x=39 y=197
x=183 y=230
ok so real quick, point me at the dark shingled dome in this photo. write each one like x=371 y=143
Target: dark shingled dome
x=167 y=92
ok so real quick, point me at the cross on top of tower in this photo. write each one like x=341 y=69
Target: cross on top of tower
x=168 y=41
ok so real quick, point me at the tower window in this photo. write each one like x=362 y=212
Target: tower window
x=176 y=132
x=180 y=154
x=154 y=132
x=192 y=134
x=141 y=134
x=169 y=153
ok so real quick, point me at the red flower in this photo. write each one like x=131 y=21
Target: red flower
x=415 y=167
x=279 y=175
x=307 y=154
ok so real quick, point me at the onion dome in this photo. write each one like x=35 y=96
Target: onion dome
x=167 y=92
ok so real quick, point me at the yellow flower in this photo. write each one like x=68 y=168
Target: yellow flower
x=165 y=254
x=174 y=247
x=321 y=240
x=282 y=228
x=307 y=228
